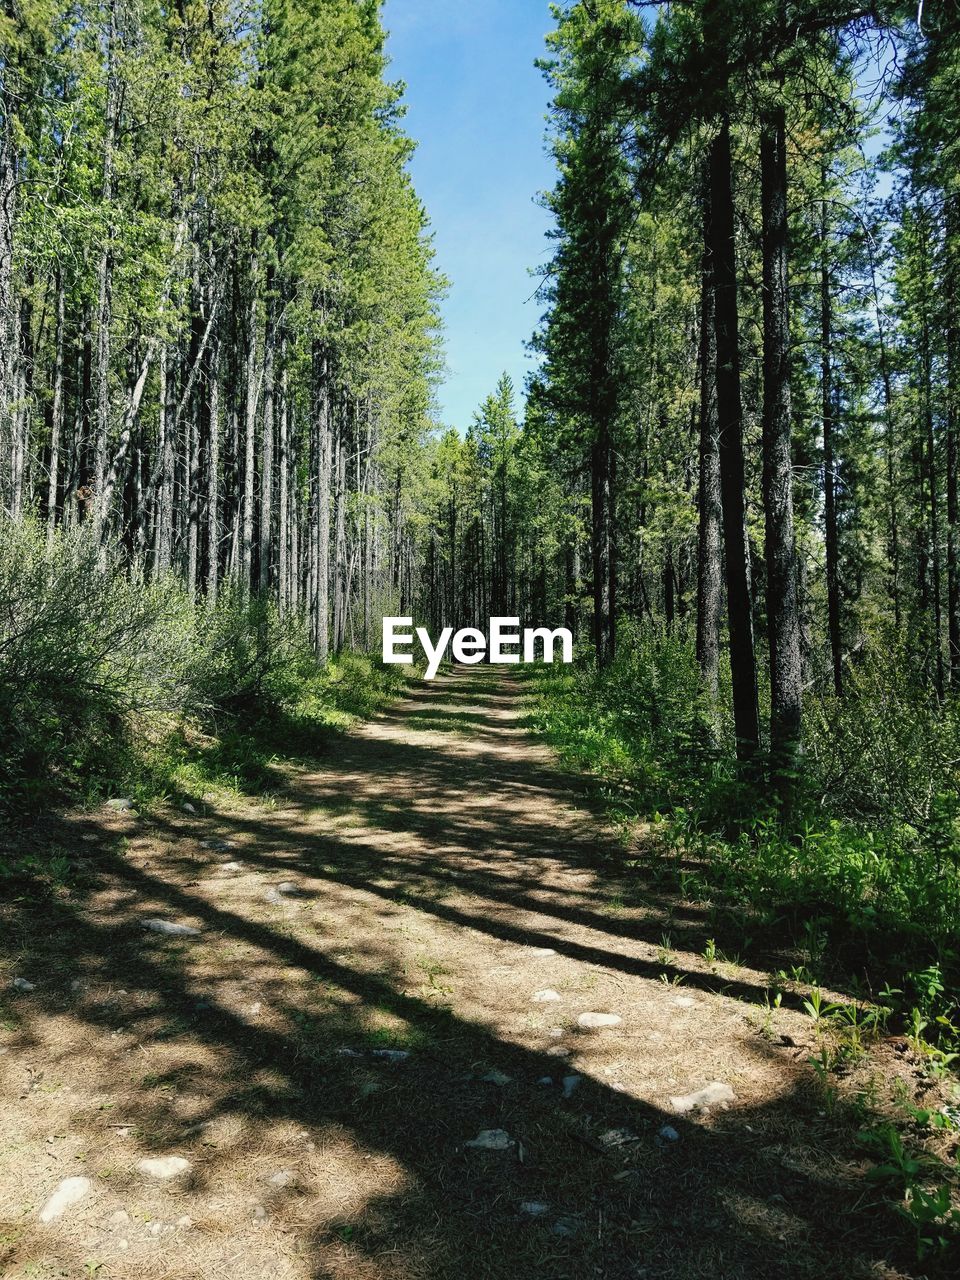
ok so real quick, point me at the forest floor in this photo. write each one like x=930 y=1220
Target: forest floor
x=395 y=954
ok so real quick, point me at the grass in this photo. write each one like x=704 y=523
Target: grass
x=865 y=889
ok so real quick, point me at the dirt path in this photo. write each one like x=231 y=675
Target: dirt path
x=458 y=905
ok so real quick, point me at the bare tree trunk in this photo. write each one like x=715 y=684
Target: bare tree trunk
x=710 y=524
x=163 y=502
x=952 y=252
x=730 y=430
x=104 y=286
x=56 y=412
x=250 y=430
x=322 y=413
x=831 y=533
x=8 y=308
x=783 y=617
x=266 y=456
x=22 y=382
x=285 y=593
x=340 y=531
x=213 y=475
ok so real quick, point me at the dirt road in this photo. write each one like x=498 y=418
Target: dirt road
x=396 y=959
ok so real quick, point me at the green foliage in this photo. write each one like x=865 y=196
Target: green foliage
x=864 y=867
x=645 y=722
x=109 y=681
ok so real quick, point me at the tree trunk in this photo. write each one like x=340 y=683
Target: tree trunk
x=104 y=287
x=783 y=617
x=266 y=457
x=213 y=474
x=722 y=249
x=323 y=466
x=952 y=253
x=250 y=431
x=56 y=412
x=831 y=533
x=710 y=510
x=285 y=592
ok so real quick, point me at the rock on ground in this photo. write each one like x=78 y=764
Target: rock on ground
x=171 y=928
x=570 y=1085
x=491 y=1140
x=68 y=1193
x=496 y=1077
x=163 y=1166
x=545 y=997
x=711 y=1095
x=593 y=1020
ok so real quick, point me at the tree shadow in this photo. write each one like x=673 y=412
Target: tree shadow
x=383 y=1183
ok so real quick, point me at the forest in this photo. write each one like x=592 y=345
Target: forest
x=733 y=473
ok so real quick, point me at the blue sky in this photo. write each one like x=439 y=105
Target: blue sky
x=476 y=106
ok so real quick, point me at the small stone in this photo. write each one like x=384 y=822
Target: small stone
x=565 y=1227
x=496 y=1077
x=21 y=984
x=118 y=1220
x=163 y=1167
x=289 y=889
x=595 y=1020
x=284 y=1178
x=218 y=845
x=187 y=807
x=255 y=1008
x=546 y=996
x=491 y=1140
x=123 y=1244
x=185 y=1223
x=570 y=1085
x=545 y=1081
x=555 y=1032
x=685 y=1002
x=68 y=1193
x=120 y=805
x=390 y=1055
x=171 y=928
x=349 y=1053
x=232 y=867
x=535 y=1208
x=711 y=1095
x=260 y=1216
x=539 y=952
x=79 y=984
x=618 y=1138
x=155 y=1228
x=669 y=1134
x=557 y=1051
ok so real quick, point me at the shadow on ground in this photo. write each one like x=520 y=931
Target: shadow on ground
x=440 y=811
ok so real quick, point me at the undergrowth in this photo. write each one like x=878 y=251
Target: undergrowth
x=111 y=682
x=860 y=874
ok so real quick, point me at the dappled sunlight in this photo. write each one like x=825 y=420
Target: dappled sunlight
x=321 y=1059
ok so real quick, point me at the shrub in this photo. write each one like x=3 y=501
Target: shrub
x=102 y=675
x=78 y=651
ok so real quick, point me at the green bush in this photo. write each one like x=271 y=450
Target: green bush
x=106 y=679
x=870 y=846
x=80 y=648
